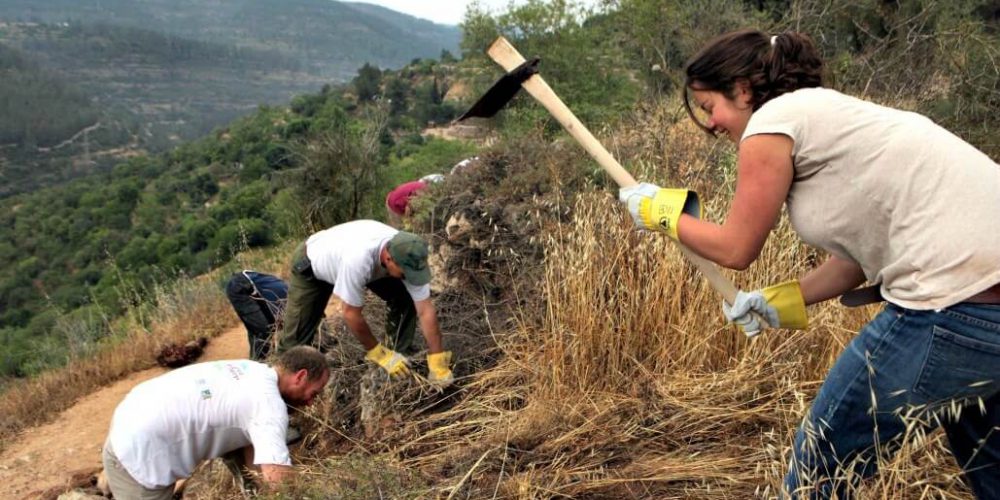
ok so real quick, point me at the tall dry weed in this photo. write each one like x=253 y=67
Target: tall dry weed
x=635 y=388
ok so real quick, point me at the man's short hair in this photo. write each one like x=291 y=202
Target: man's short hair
x=303 y=357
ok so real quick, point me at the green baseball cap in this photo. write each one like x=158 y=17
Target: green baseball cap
x=410 y=253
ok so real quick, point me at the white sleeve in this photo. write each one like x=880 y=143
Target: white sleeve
x=351 y=280
x=267 y=430
x=778 y=116
x=422 y=292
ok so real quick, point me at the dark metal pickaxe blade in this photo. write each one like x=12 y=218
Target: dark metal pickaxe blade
x=502 y=91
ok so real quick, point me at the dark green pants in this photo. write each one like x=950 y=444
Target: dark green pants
x=308 y=296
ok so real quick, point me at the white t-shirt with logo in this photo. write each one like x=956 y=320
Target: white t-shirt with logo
x=914 y=205
x=167 y=425
x=347 y=256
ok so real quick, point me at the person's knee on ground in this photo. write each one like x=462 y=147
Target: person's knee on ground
x=255 y=313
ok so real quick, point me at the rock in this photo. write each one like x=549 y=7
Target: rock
x=438 y=262
x=457 y=227
x=372 y=405
x=380 y=399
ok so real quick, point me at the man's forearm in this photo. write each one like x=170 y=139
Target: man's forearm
x=359 y=327
x=432 y=335
x=429 y=326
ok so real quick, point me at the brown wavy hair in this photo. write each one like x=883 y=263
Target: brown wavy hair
x=303 y=357
x=791 y=63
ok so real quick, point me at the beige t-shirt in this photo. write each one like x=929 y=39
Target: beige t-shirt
x=914 y=205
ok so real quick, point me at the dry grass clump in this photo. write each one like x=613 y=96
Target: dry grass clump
x=348 y=476
x=633 y=386
x=354 y=476
x=629 y=387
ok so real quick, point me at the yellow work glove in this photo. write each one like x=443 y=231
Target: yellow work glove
x=781 y=306
x=439 y=368
x=394 y=363
x=659 y=209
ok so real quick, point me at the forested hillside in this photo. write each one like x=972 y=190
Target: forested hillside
x=79 y=253
x=34 y=102
x=148 y=76
x=133 y=91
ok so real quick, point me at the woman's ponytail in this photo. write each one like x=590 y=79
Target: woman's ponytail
x=792 y=63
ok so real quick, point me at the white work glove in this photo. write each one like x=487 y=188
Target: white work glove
x=655 y=208
x=780 y=306
x=632 y=196
x=740 y=312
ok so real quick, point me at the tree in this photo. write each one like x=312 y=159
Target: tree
x=657 y=36
x=447 y=57
x=340 y=170
x=368 y=83
x=397 y=92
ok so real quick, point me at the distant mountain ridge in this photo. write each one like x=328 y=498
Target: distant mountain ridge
x=331 y=38
x=150 y=74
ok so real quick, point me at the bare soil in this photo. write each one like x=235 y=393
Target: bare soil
x=58 y=455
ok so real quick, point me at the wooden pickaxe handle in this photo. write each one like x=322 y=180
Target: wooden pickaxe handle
x=509 y=58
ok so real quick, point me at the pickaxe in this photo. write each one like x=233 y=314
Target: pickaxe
x=523 y=73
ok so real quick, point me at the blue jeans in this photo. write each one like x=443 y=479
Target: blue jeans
x=905 y=362
x=258 y=313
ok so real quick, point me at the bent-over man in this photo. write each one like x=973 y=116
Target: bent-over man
x=346 y=259
x=167 y=425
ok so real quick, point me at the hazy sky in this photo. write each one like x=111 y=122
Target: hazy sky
x=444 y=11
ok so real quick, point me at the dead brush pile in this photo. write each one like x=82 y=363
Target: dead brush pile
x=487 y=229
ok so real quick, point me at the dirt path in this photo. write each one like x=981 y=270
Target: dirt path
x=49 y=456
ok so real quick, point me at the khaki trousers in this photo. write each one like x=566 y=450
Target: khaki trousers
x=123 y=486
